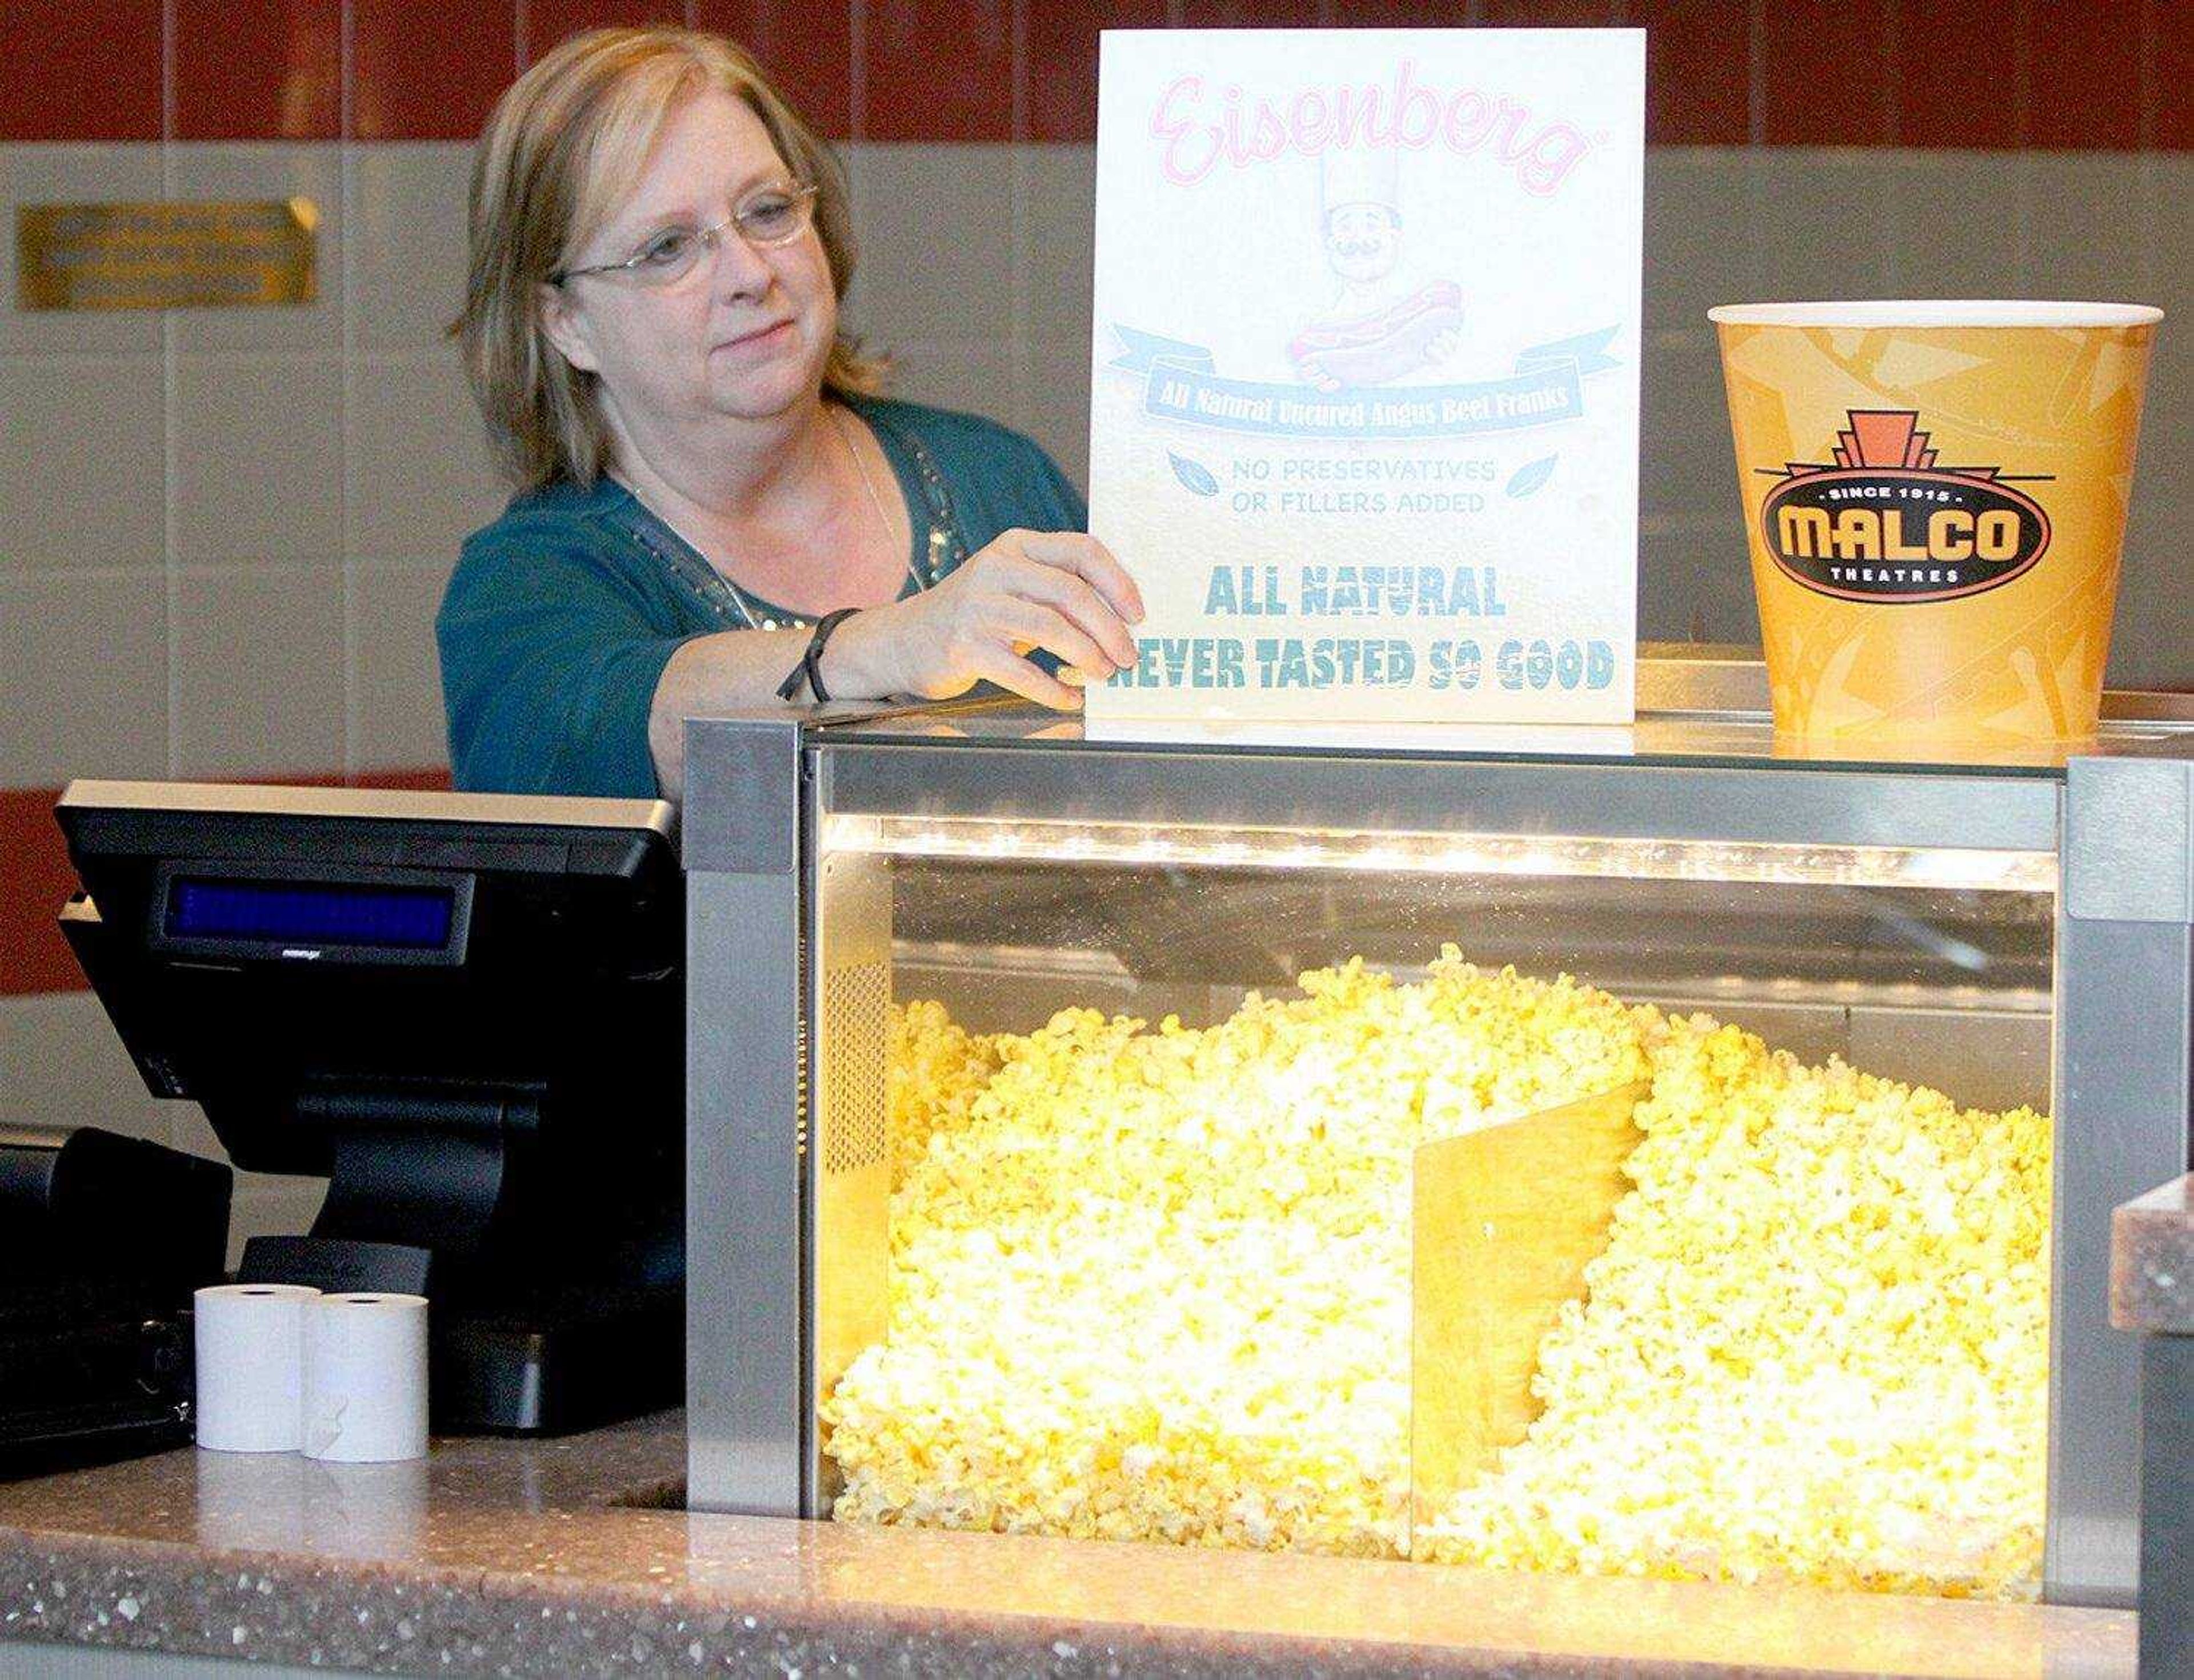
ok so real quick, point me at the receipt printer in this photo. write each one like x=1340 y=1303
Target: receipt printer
x=102 y=1240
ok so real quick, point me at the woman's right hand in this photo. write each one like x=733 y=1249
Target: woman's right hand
x=1060 y=591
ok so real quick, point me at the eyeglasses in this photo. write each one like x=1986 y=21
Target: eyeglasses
x=774 y=216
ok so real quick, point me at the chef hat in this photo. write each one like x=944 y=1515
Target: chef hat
x=1358 y=175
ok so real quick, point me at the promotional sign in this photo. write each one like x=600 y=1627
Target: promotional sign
x=1364 y=406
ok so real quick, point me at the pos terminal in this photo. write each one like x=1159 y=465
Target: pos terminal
x=466 y=1012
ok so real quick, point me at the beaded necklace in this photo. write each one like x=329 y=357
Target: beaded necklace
x=944 y=547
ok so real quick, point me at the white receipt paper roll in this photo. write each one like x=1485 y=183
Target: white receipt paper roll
x=251 y=1344
x=366 y=1377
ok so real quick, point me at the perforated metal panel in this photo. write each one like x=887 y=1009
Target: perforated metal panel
x=856 y=1025
x=848 y=1169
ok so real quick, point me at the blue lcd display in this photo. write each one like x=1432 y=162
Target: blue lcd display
x=309 y=913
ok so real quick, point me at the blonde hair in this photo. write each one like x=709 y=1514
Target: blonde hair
x=567 y=142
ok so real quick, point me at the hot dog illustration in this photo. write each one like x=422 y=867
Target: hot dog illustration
x=1381 y=346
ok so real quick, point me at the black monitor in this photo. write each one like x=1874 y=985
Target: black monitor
x=466 y=1011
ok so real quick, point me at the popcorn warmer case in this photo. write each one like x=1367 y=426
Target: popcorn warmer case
x=1630 y=1151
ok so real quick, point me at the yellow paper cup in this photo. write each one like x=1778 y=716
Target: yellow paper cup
x=1936 y=494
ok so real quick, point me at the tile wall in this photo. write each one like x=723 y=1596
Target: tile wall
x=223 y=534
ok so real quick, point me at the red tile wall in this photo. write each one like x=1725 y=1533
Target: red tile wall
x=543 y=23
x=2167 y=109
x=937 y=70
x=809 y=50
x=424 y=72
x=1976 y=94
x=255 y=69
x=2092 y=43
x=1828 y=75
x=1698 y=71
x=2081 y=75
x=1248 y=15
x=73 y=72
x=34 y=864
x=1550 y=13
x=1060 y=47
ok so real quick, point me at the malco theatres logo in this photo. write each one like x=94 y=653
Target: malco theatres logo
x=1885 y=523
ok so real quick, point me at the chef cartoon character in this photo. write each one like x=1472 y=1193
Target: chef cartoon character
x=1376 y=330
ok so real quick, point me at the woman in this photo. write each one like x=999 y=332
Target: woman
x=707 y=478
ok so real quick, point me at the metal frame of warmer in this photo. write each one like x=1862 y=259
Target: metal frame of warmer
x=788 y=963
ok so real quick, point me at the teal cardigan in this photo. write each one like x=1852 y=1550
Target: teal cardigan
x=562 y=615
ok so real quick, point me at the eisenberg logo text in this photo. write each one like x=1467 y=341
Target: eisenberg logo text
x=1885 y=523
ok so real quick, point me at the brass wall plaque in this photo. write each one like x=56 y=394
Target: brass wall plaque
x=221 y=254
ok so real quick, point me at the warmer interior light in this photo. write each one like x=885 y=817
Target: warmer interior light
x=1393 y=851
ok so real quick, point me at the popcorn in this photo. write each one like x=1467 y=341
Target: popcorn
x=1816 y=1348
x=1155 y=1284
x=935 y=1070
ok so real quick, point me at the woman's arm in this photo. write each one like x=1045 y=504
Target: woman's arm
x=1060 y=591
x=551 y=655
x=733 y=669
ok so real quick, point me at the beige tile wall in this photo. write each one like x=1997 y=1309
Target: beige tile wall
x=223 y=534
x=61 y=1065
x=249 y=514
x=84 y=673
x=298 y=480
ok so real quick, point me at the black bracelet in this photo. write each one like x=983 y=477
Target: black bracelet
x=810 y=662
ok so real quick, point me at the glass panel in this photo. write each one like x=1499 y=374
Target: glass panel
x=1699 y=738
x=1159 y=1106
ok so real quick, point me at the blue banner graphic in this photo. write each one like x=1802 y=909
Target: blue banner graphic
x=1182 y=383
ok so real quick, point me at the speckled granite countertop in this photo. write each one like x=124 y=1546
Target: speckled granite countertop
x=515 y=1557
x=2152 y=1260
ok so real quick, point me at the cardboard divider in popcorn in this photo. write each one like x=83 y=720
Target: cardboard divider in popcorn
x=1503 y=1224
